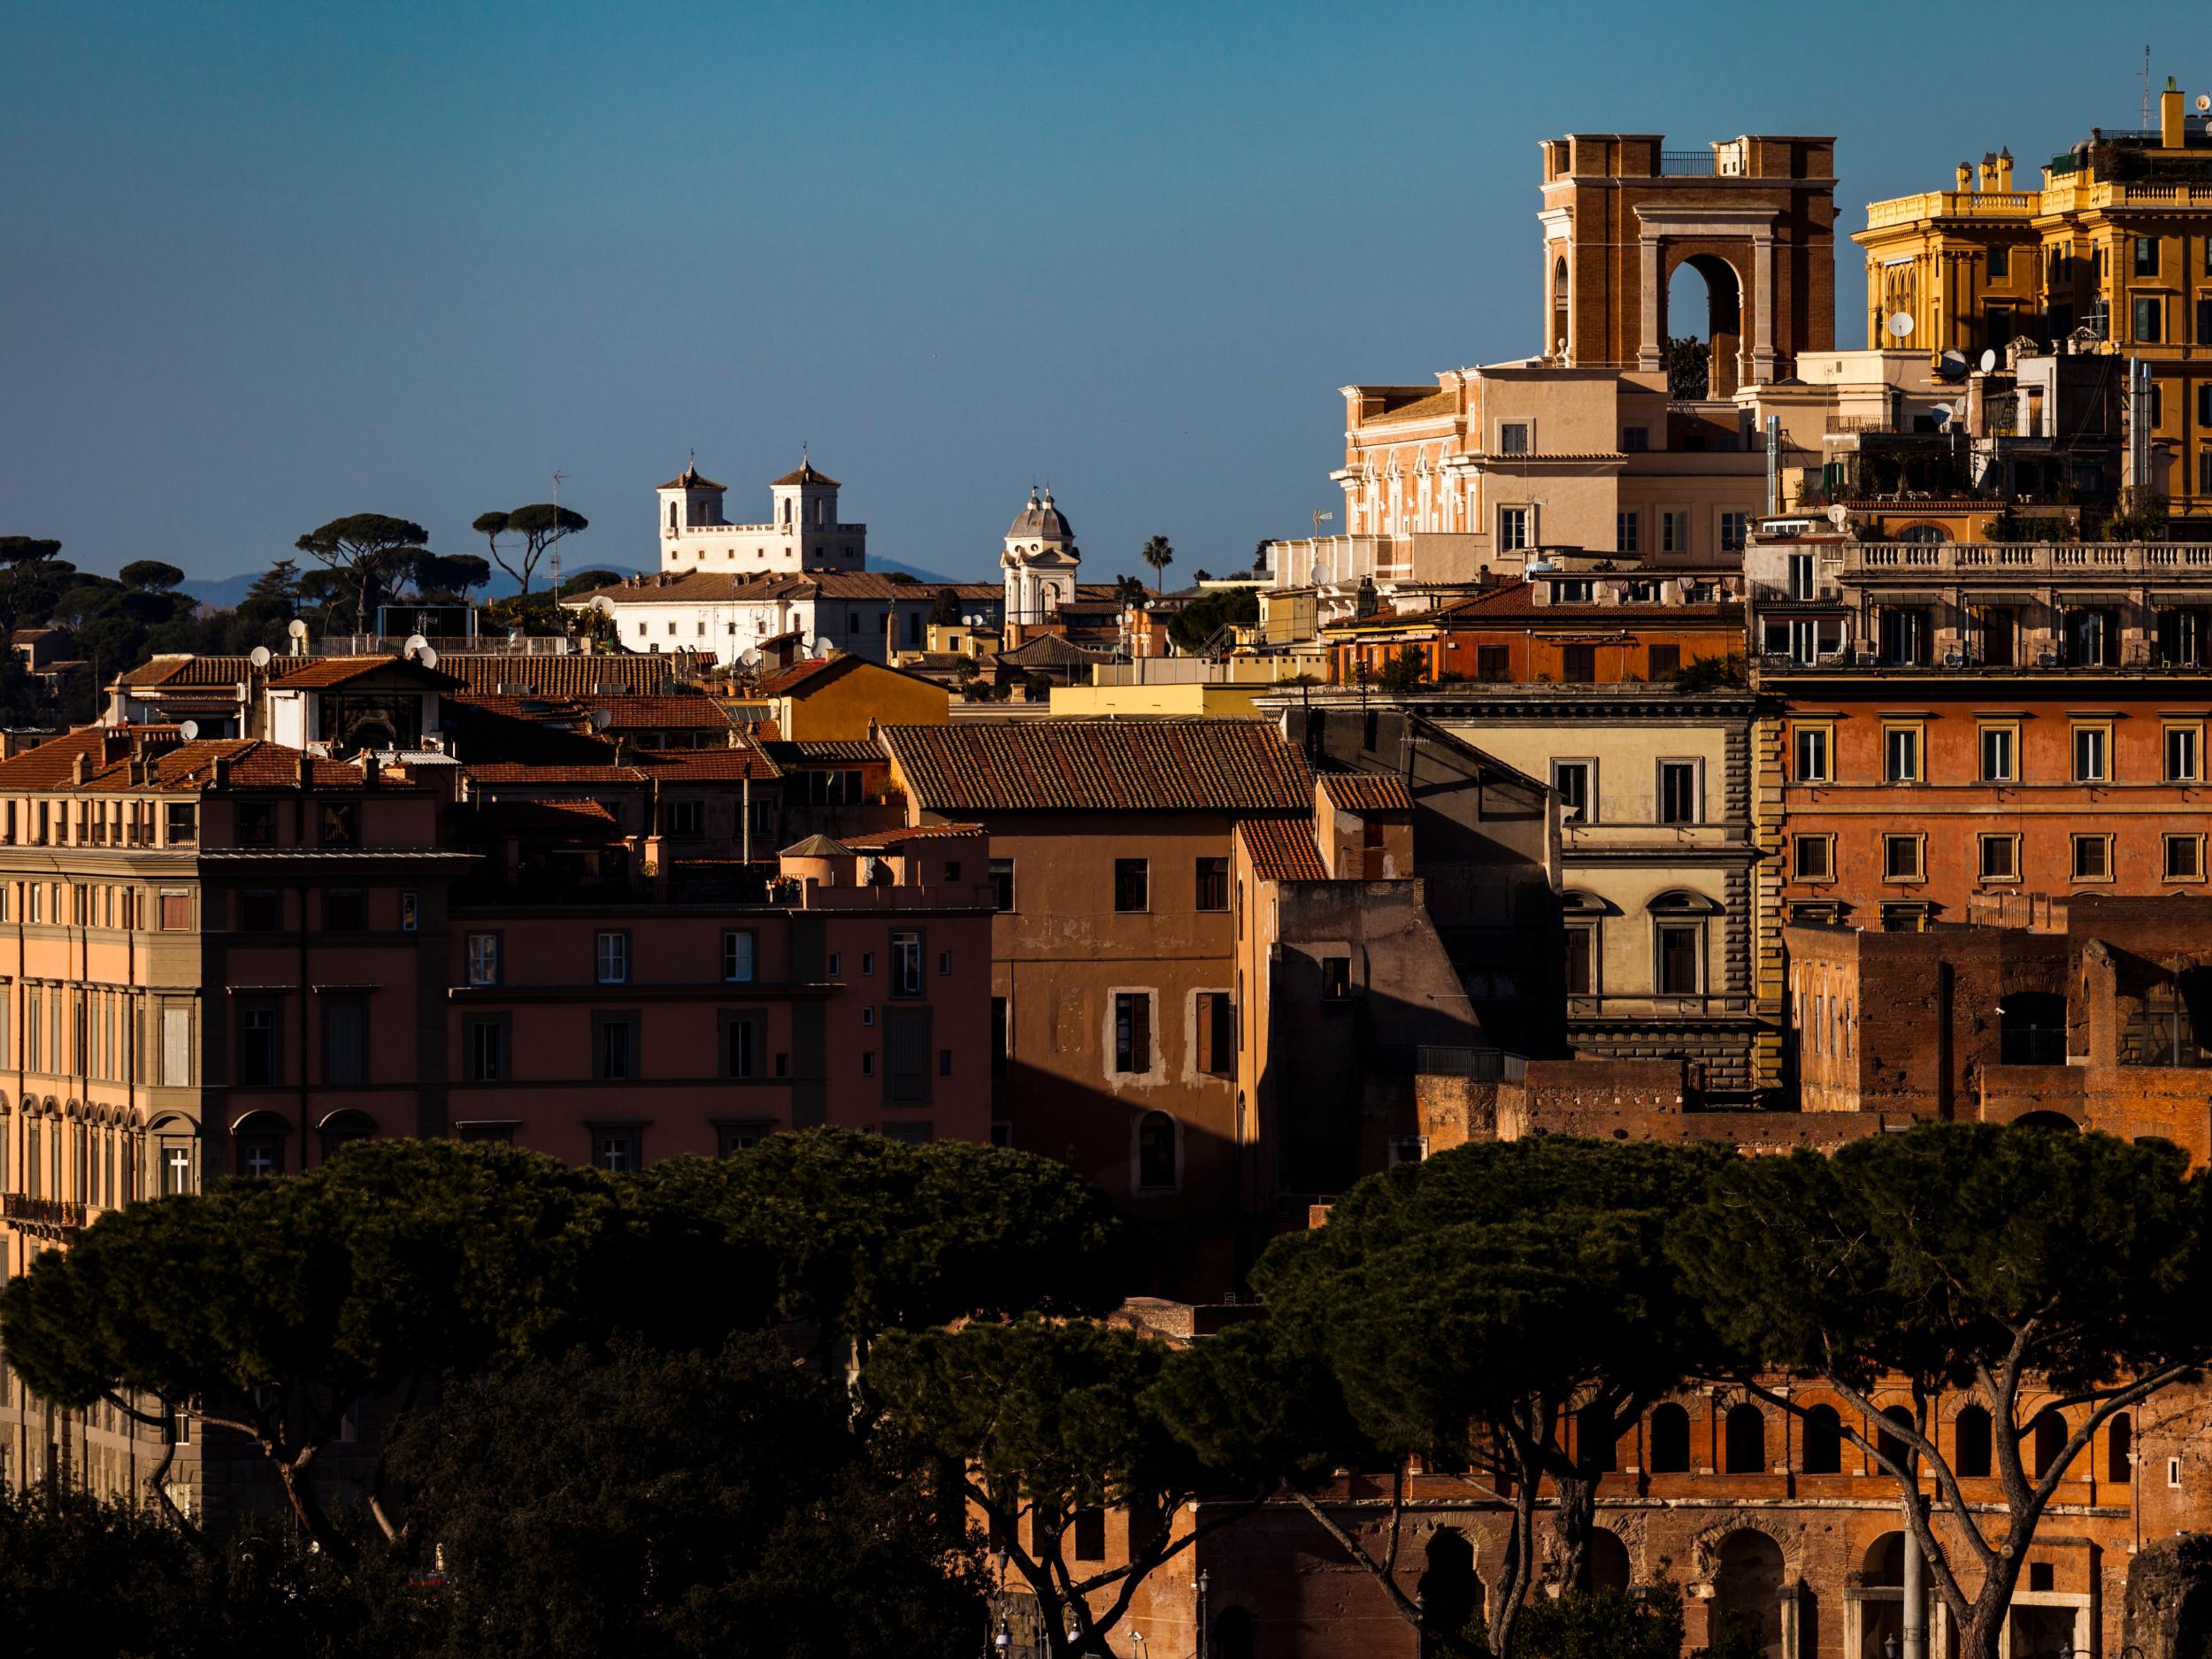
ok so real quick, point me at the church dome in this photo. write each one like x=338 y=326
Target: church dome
x=1040 y=521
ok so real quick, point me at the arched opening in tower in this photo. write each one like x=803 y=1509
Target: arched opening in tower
x=1703 y=325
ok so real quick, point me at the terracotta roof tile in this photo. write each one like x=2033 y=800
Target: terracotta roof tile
x=807 y=473
x=182 y=768
x=1104 y=765
x=881 y=841
x=788 y=679
x=339 y=670
x=707 y=765
x=574 y=674
x=825 y=751
x=517 y=772
x=1364 y=792
x=1283 y=849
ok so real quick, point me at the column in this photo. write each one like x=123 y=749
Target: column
x=1762 y=352
x=1649 y=355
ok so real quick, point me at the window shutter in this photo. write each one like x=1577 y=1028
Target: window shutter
x=1206 y=1060
x=1140 y=1033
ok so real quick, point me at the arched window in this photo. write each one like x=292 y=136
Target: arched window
x=2050 y=1440
x=2119 y=1454
x=1823 y=1441
x=1156 y=1153
x=1970 y=1442
x=1559 y=305
x=1892 y=1446
x=1883 y=1563
x=1922 y=534
x=341 y=1128
x=259 y=1141
x=1608 y=1560
x=1745 y=1435
x=1670 y=1440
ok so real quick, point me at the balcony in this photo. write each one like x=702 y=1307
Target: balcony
x=1661 y=1005
x=2057 y=560
x=25 y=1211
x=1909 y=209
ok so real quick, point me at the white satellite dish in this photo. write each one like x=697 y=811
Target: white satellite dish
x=748 y=660
x=296 y=629
x=259 y=656
x=415 y=642
x=428 y=658
x=1901 y=324
x=1989 y=359
x=190 y=731
x=823 y=645
x=601 y=718
x=1318 y=574
x=1838 y=515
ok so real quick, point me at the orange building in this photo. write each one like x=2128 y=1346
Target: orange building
x=1569 y=627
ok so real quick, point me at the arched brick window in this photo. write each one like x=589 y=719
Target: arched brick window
x=1745 y=1439
x=1670 y=1440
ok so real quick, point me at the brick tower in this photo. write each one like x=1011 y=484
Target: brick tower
x=1753 y=216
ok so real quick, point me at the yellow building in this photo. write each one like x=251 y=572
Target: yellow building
x=2113 y=251
x=843 y=699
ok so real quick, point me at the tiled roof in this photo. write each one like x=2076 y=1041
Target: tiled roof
x=707 y=765
x=1365 y=792
x=789 y=680
x=340 y=670
x=185 y=768
x=808 y=474
x=816 y=847
x=575 y=674
x=823 y=751
x=517 y=772
x=1283 y=849
x=184 y=670
x=649 y=713
x=690 y=478
x=544 y=817
x=1421 y=409
x=1103 y=765
x=1049 y=651
x=883 y=841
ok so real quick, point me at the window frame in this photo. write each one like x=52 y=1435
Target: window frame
x=908 y=957
x=1695 y=928
x=2075 y=843
x=500 y=1029
x=604 y=1019
x=2099 y=732
x=2008 y=731
x=1917 y=840
x=2010 y=841
x=1131 y=1011
x=1587 y=765
x=479 y=944
x=1695 y=764
x=610 y=956
x=2193 y=730
x=1209 y=877
x=731 y=951
x=1126 y=872
x=1825 y=842
x=1004 y=894
x=1917 y=731
x=2167 y=843
x=1824 y=732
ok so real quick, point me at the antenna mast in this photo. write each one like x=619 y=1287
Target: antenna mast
x=2146 y=87
x=558 y=476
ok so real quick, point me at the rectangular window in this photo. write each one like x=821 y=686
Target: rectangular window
x=2001 y=262
x=2092 y=859
x=409 y=913
x=339 y=824
x=176 y=911
x=260 y=911
x=484 y=1048
x=257 y=823
x=1734 y=528
x=739 y=947
x=744 y=1045
x=1572 y=778
x=176 y=1046
x=1624 y=531
x=1581 y=958
x=1810 y=750
x=483 y=958
x=1001 y=1035
x=2184 y=753
x=1003 y=883
x=1998 y=858
x=1679 y=794
x=1679 y=944
x=1513 y=437
x=1133 y=1032
x=1133 y=882
x=906 y=1056
x=1577 y=663
x=610 y=958
x=2093 y=754
x=1213 y=884
x=2204 y=338
x=906 y=964
x=1813 y=859
x=183 y=823
x=257 y=1060
x=345 y=1040
x=1215 y=1034
x=688 y=819
x=617 y=1151
x=1664 y=662
x=2146 y=256
x=1635 y=441
x=1900 y=857
x=2150 y=313
x=614 y=1057
x=1900 y=754
x=1336 y=978
x=1674 y=533
x=344 y=911
x=1999 y=746
x=1513 y=529
x=2184 y=858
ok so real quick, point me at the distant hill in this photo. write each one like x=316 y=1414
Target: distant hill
x=226 y=591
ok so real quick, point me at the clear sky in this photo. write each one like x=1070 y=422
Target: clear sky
x=263 y=264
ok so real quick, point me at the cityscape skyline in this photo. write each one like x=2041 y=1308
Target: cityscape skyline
x=488 y=296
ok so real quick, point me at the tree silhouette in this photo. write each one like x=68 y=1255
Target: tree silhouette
x=1159 y=556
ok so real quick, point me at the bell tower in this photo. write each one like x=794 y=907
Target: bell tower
x=1753 y=216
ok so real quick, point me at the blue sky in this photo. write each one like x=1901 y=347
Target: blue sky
x=263 y=264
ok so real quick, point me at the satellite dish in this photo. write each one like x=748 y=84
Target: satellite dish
x=259 y=656
x=1952 y=365
x=1989 y=359
x=601 y=718
x=296 y=629
x=1901 y=324
x=1318 y=574
x=428 y=658
x=1958 y=409
x=823 y=645
x=748 y=660
x=2204 y=102
x=190 y=731
x=1838 y=515
x=415 y=642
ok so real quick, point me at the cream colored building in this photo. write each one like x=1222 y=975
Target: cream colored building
x=802 y=531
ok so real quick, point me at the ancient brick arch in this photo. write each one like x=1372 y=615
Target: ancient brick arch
x=1705 y=1548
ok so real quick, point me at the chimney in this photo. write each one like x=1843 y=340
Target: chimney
x=370 y=766
x=1986 y=178
x=2172 y=130
x=80 y=769
x=299 y=768
x=1966 y=175
x=219 y=773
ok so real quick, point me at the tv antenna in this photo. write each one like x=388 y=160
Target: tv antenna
x=558 y=476
x=1320 y=518
x=2146 y=87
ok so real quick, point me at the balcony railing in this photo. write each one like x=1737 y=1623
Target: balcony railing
x=1483 y=1065
x=1660 y=1005
x=43 y=1212
x=2061 y=559
x=1687 y=164
x=456 y=645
